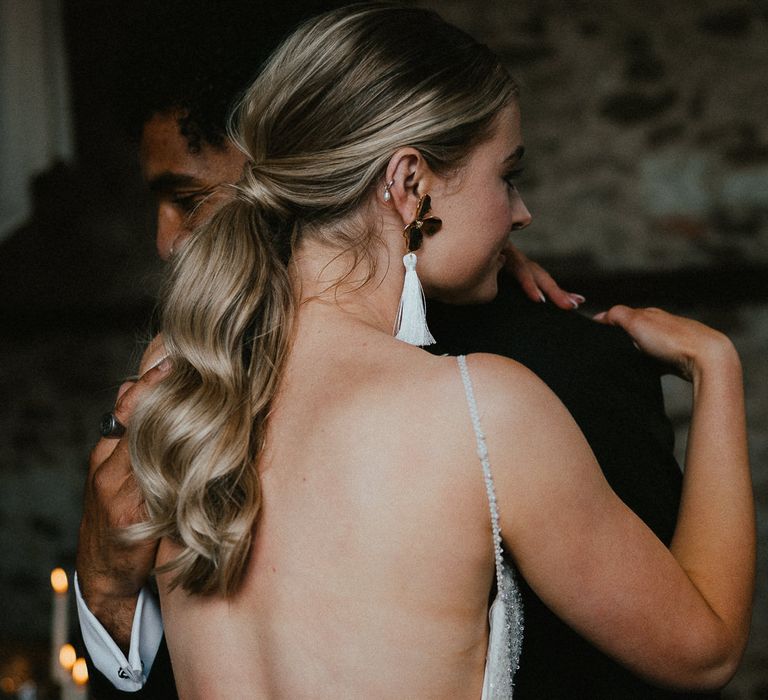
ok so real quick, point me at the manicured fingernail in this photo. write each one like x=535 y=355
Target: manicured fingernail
x=160 y=364
x=542 y=297
x=576 y=300
x=600 y=316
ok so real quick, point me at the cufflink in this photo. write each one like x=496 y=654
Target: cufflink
x=130 y=674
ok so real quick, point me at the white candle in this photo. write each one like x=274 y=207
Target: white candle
x=76 y=687
x=70 y=691
x=74 y=682
x=59 y=622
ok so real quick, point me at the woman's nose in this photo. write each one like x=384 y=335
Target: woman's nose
x=521 y=217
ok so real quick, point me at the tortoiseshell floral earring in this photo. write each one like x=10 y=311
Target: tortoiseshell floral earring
x=411 y=322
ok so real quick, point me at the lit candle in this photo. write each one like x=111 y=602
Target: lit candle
x=80 y=672
x=78 y=688
x=76 y=685
x=59 y=622
x=67 y=657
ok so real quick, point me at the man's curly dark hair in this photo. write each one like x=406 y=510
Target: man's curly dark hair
x=195 y=57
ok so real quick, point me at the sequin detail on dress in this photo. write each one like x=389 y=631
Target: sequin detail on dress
x=505 y=638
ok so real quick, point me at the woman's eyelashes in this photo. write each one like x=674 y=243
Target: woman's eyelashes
x=512 y=178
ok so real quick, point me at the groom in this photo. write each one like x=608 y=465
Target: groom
x=611 y=389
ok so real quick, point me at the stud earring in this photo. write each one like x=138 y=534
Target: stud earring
x=387 y=193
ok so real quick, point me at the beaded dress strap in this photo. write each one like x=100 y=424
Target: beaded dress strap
x=482 y=453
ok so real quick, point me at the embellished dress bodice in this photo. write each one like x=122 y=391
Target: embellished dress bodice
x=505 y=637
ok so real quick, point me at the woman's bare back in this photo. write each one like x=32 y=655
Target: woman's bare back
x=372 y=559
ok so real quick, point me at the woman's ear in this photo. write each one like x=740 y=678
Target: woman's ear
x=407 y=178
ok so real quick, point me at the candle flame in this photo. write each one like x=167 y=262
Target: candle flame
x=80 y=672
x=59 y=580
x=67 y=656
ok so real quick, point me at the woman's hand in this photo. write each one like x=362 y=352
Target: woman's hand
x=536 y=282
x=687 y=345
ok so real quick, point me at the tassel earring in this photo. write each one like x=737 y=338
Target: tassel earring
x=411 y=323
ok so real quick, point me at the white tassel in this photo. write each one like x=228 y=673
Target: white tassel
x=411 y=322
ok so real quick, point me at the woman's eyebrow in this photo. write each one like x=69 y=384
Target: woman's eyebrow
x=515 y=156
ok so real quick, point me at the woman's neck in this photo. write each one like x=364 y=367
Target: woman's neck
x=368 y=291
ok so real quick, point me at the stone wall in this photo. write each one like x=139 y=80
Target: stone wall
x=646 y=125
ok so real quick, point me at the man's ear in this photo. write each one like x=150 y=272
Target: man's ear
x=408 y=177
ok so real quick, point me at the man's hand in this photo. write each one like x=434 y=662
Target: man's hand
x=536 y=282
x=111 y=573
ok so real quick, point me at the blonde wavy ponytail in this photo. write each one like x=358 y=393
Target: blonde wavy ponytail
x=319 y=125
x=198 y=435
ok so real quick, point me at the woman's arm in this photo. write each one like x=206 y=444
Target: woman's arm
x=679 y=618
x=715 y=534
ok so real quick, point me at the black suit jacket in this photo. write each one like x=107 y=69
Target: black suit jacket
x=614 y=393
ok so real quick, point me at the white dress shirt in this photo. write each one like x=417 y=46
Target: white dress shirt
x=127 y=674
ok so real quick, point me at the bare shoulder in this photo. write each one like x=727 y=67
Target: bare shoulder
x=495 y=380
x=509 y=397
x=512 y=398
x=505 y=389
x=532 y=439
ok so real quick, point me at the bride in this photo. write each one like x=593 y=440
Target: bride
x=336 y=506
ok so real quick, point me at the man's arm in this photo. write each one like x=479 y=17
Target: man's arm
x=112 y=669
x=110 y=573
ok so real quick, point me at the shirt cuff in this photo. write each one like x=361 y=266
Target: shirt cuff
x=126 y=674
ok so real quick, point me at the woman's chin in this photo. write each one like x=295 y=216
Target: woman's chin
x=486 y=296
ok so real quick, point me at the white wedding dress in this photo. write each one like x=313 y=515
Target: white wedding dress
x=505 y=638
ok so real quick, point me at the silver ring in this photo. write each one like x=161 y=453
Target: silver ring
x=110 y=427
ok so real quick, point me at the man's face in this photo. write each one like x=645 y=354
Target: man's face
x=181 y=179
